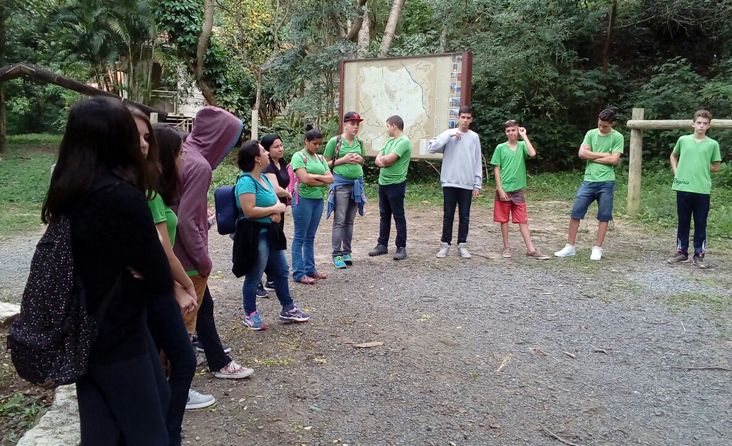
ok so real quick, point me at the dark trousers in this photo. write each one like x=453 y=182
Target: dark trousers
x=268 y=271
x=124 y=402
x=391 y=203
x=170 y=336
x=690 y=204
x=462 y=198
x=208 y=337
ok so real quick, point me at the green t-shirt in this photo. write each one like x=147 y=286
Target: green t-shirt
x=350 y=171
x=264 y=197
x=695 y=158
x=612 y=143
x=162 y=213
x=512 y=164
x=397 y=172
x=315 y=165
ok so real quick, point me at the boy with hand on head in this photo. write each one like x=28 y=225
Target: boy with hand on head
x=393 y=161
x=601 y=148
x=693 y=158
x=509 y=168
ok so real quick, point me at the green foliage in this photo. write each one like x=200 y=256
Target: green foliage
x=18 y=413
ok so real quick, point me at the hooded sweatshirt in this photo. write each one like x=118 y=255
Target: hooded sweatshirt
x=461 y=161
x=215 y=132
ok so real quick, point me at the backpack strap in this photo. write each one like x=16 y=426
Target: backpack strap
x=337 y=151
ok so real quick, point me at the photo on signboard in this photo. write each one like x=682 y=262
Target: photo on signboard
x=455 y=102
x=452 y=124
x=454 y=112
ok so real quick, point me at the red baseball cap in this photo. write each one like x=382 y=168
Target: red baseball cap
x=352 y=116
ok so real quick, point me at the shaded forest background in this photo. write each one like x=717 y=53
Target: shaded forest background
x=552 y=64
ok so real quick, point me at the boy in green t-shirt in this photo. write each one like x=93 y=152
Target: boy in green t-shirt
x=393 y=159
x=693 y=158
x=509 y=169
x=601 y=148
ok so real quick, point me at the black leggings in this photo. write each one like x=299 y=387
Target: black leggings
x=170 y=336
x=124 y=402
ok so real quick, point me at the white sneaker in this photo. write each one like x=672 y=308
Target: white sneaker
x=596 y=253
x=567 y=251
x=444 y=250
x=463 y=251
x=234 y=371
x=198 y=400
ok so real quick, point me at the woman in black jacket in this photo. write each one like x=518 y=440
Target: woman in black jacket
x=99 y=182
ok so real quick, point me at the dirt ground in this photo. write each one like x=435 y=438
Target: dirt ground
x=626 y=351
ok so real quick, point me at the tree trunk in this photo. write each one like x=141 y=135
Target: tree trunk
x=201 y=49
x=443 y=39
x=14 y=71
x=3 y=16
x=364 y=35
x=608 y=40
x=255 y=109
x=354 y=32
x=391 y=24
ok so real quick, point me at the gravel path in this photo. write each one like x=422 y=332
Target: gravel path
x=483 y=351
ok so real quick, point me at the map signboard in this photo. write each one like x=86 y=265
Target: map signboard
x=426 y=91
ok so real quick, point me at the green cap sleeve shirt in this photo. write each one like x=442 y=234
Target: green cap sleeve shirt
x=315 y=165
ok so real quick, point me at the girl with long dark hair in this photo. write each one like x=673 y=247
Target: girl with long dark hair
x=100 y=183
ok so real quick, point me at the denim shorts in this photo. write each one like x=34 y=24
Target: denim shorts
x=589 y=191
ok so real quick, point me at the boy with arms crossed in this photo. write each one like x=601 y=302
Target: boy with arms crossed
x=601 y=148
x=509 y=168
x=393 y=160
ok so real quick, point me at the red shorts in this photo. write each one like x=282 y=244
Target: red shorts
x=515 y=207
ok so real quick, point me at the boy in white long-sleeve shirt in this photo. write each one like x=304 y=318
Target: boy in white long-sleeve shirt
x=461 y=178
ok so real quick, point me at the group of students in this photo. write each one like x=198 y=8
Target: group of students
x=137 y=198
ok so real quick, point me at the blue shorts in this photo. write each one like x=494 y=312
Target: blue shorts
x=589 y=191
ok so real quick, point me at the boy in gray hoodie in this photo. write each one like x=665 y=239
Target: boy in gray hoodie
x=461 y=178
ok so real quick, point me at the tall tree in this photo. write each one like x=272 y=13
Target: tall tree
x=201 y=48
x=4 y=7
x=391 y=24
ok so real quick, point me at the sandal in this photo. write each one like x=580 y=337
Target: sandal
x=506 y=253
x=317 y=275
x=306 y=280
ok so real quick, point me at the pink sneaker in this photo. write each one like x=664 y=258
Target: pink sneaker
x=234 y=371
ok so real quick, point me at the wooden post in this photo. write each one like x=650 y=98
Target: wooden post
x=634 y=168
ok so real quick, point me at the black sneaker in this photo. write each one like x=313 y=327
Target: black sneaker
x=261 y=292
x=378 y=250
x=699 y=262
x=400 y=254
x=199 y=349
x=679 y=257
x=269 y=285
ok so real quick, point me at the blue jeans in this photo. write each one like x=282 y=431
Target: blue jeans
x=277 y=262
x=306 y=215
x=589 y=191
x=391 y=203
x=690 y=204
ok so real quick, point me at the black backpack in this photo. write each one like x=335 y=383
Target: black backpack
x=50 y=340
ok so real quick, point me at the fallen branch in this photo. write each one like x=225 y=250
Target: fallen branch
x=505 y=362
x=432 y=166
x=723 y=369
x=558 y=438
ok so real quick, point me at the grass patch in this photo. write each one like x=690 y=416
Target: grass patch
x=25 y=172
x=24 y=178
x=718 y=307
x=34 y=139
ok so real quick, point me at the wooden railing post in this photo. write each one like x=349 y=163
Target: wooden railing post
x=634 y=167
